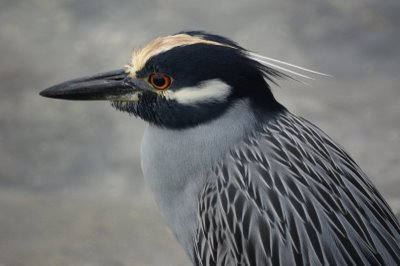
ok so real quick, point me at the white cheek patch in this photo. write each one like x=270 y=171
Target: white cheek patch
x=208 y=91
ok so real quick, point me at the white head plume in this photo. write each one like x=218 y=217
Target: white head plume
x=285 y=67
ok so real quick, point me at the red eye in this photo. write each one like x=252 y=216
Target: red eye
x=160 y=81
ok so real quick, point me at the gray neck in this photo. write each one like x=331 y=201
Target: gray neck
x=175 y=162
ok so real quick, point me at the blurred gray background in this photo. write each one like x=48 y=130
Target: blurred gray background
x=71 y=189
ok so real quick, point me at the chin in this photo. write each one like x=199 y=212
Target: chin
x=126 y=106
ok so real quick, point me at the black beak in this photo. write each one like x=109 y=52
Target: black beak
x=104 y=86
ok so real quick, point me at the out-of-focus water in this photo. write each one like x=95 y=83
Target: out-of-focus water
x=71 y=189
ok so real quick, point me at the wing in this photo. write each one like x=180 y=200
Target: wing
x=289 y=195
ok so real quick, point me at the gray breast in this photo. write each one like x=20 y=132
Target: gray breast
x=174 y=163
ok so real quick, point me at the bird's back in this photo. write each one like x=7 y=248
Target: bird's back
x=290 y=195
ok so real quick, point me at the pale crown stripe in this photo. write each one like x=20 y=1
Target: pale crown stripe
x=163 y=44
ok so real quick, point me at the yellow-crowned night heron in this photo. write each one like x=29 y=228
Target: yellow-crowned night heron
x=238 y=178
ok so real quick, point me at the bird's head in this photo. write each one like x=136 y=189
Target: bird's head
x=179 y=81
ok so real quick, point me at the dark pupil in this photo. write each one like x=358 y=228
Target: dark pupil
x=158 y=80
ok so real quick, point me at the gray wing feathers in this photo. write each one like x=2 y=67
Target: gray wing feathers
x=289 y=195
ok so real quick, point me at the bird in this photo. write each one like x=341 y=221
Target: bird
x=238 y=178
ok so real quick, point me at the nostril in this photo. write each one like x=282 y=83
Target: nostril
x=127 y=81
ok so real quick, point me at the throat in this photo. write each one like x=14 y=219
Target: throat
x=175 y=164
